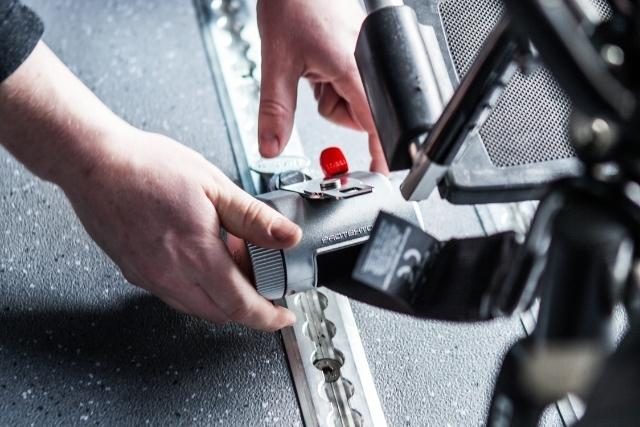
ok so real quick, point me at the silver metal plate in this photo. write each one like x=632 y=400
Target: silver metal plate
x=343 y=188
x=280 y=164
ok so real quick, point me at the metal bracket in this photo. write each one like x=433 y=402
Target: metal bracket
x=330 y=189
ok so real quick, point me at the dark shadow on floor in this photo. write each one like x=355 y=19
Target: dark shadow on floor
x=138 y=360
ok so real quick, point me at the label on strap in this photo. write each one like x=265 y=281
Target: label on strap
x=392 y=260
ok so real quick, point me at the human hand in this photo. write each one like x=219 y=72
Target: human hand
x=315 y=40
x=156 y=208
x=153 y=205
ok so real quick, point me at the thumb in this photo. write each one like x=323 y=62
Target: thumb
x=252 y=220
x=278 y=95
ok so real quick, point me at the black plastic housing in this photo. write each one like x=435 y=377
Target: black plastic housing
x=398 y=79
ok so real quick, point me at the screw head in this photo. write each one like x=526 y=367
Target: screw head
x=593 y=136
x=330 y=184
x=612 y=54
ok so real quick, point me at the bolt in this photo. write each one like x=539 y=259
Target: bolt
x=603 y=136
x=330 y=184
x=606 y=172
x=612 y=54
x=595 y=134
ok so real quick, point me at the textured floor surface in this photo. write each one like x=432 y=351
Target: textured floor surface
x=78 y=345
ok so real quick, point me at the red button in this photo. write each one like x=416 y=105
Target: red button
x=333 y=162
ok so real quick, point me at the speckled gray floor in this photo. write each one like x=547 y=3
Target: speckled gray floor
x=78 y=345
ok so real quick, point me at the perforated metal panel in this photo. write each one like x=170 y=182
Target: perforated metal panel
x=530 y=122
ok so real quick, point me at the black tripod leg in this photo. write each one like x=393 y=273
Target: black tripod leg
x=617 y=392
x=512 y=404
x=587 y=261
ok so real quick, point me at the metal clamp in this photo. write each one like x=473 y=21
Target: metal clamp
x=330 y=189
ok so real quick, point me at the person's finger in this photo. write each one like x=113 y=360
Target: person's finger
x=351 y=89
x=239 y=253
x=174 y=304
x=195 y=301
x=378 y=159
x=335 y=108
x=238 y=299
x=317 y=89
x=250 y=219
x=278 y=97
x=190 y=300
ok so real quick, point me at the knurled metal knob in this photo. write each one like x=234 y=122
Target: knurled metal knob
x=268 y=271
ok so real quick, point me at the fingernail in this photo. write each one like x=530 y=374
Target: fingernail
x=269 y=144
x=284 y=231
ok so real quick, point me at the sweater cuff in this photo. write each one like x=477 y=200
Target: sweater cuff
x=20 y=31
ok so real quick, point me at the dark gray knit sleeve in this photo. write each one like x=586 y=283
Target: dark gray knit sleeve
x=20 y=30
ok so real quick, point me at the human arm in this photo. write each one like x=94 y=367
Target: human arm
x=154 y=206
